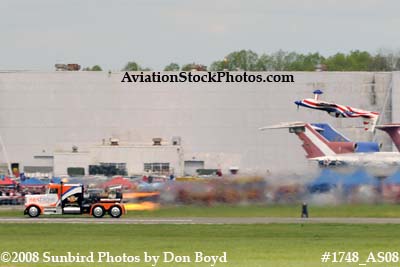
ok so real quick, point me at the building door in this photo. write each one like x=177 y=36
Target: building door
x=191 y=166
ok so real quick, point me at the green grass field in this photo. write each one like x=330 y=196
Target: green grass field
x=246 y=245
x=360 y=210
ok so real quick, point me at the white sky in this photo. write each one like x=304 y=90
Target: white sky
x=36 y=34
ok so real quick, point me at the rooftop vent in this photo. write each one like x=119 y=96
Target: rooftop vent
x=176 y=141
x=157 y=141
x=67 y=67
x=114 y=141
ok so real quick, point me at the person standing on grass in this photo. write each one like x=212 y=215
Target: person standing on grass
x=304 y=210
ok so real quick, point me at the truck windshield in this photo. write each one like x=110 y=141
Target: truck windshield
x=52 y=191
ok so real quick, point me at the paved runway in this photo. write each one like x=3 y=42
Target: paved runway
x=201 y=220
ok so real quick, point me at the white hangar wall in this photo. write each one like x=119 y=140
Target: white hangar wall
x=396 y=96
x=42 y=113
x=134 y=158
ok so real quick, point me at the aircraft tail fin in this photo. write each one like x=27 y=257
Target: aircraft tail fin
x=317 y=93
x=314 y=143
x=370 y=123
x=393 y=130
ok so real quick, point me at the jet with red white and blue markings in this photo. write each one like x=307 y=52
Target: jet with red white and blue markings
x=340 y=111
x=325 y=145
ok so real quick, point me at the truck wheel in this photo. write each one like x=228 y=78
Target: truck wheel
x=33 y=211
x=115 y=212
x=98 y=212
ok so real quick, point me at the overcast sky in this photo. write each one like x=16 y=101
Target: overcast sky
x=37 y=34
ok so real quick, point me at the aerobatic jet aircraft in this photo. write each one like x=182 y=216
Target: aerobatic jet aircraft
x=340 y=111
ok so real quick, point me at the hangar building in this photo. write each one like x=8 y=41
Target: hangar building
x=54 y=122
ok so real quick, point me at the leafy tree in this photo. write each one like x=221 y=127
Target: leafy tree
x=245 y=60
x=188 y=67
x=379 y=63
x=193 y=66
x=397 y=64
x=131 y=66
x=301 y=62
x=96 y=68
x=172 y=67
x=354 y=61
x=264 y=63
x=312 y=60
x=392 y=59
x=359 y=61
x=219 y=65
x=279 y=60
x=337 y=62
x=291 y=61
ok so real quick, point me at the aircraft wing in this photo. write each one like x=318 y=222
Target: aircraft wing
x=283 y=125
x=344 y=159
x=390 y=125
x=361 y=159
x=327 y=105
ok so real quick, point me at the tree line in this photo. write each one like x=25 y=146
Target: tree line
x=248 y=60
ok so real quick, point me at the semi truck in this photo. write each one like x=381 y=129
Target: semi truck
x=64 y=198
